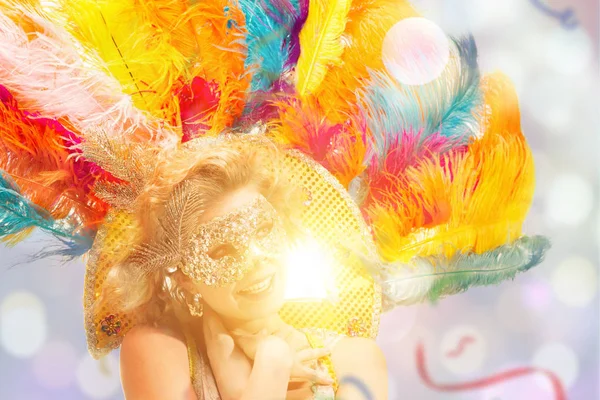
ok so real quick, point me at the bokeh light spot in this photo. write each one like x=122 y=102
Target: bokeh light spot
x=557 y=358
x=22 y=324
x=575 y=282
x=415 y=51
x=54 y=365
x=570 y=200
x=568 y=51
x=512 y=314
x=98 y=379
x=537 y=296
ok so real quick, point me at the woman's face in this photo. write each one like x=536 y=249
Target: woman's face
x=251 y=247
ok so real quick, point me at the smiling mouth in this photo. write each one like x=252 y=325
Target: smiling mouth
x=259 y=287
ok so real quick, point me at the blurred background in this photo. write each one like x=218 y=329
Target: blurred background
x=546 y=320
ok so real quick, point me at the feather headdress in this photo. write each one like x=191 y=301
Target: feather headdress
x=93 y=90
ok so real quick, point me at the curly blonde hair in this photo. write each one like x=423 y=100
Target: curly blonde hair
x=216 y=169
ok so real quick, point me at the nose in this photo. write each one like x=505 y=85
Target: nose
x=256 y=250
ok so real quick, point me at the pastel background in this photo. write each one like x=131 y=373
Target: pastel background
x=547 y=318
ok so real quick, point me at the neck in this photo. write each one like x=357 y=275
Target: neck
x=270 y=323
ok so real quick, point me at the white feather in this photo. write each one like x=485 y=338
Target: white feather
x=47 y=74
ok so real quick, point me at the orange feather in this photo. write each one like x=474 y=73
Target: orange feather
x=340 y=148
x=222 y=62
x=31 y=151
x=368 y=23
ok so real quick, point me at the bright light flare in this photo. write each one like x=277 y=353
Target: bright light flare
x=309 y=272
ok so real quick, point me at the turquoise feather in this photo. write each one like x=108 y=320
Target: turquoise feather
x=17 y=213
x=432 y=278
x=268 y=25
x=449 y=105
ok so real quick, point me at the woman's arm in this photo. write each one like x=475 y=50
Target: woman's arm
x=237 y=377
x=271 y=370
x=154 y=365
x=359 y=362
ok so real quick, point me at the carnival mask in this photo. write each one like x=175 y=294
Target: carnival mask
x=224 y=249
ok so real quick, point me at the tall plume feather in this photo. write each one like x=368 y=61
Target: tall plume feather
x=55 y=181
x=18 y=214
x=450 y=105
x=268 y=27
x=435 y=277
x=136 y=42
x=320 y=41
x=45 y=72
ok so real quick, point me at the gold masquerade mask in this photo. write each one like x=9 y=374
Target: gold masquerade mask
x=227 y=247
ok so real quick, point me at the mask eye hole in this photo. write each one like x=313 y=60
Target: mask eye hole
x=222 y=250
x=264 y=229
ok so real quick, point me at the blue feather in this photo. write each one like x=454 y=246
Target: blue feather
x=449 y=105
x=269 y=25
x=17 y=214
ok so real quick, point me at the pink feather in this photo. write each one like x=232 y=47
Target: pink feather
x=45 y=73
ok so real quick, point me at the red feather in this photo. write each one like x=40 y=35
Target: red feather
x=197 y=102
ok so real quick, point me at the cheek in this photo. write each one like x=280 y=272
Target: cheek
x=220 y=299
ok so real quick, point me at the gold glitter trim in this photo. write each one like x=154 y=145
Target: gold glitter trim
x=364 y=230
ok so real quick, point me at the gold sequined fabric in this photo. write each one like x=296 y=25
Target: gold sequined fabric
x=330 y=216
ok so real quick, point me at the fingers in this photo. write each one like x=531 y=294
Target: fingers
x=249 y=343
x=312 y=354
x=309 y=374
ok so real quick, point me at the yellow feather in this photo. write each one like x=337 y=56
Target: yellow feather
x=222 y=38
x=320 y=41
x=368 y=23
x=140 y=44
x=222 y=58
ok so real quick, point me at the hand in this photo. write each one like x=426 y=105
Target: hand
x=305 y=361
x=276 y=350
x=226 y=359
x=304 y=367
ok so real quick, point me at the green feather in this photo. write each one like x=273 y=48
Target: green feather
x=432 y=278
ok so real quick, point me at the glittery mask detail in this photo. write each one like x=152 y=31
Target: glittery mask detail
x=224 y=249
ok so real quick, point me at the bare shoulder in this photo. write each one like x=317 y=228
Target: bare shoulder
x=356 y=350
x=140 y=338
x=360 y=368
x=154 y=364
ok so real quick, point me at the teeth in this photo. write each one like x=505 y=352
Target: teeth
x=258 y=287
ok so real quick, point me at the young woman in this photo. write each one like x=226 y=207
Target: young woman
x=216 y=305
x=200 y=151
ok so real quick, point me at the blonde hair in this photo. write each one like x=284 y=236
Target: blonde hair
x=215 y=170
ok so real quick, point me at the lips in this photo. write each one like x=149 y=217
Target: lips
x=258 y=286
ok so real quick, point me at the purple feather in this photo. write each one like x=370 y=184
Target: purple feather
x=295 y=34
